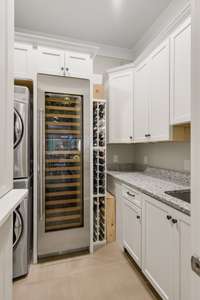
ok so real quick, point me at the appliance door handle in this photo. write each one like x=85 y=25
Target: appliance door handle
x=20 y=227
x=42 y=181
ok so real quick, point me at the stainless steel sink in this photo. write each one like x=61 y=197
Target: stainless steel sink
x=180 y=194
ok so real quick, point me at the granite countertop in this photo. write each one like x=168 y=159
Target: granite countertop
x=154 y=183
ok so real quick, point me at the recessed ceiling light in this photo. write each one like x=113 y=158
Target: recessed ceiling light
x=117 y=4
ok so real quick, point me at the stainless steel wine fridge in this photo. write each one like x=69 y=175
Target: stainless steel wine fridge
x=63 y=165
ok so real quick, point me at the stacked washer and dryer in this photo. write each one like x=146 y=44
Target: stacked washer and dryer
x=23 y=179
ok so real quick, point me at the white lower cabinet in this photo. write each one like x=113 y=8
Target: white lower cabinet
x=184 y=229
x=158 y=250
x=119 y=215
x=132 y=230
x=166 y=252
x=6 y=255
x=158 y=239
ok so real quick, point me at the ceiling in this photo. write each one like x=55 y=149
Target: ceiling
x=118 y=23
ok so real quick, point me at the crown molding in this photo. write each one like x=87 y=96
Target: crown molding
x=121 y=68
x=39 y=38
x=149 y=44
x=149 y=41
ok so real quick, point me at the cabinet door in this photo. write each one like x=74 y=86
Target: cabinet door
x=160 y=94
x=6 y=253
x=22 y=61
x=181 y=74
x=119 y=215
x=132 y=231
x=185 y=242
x=78 y=64
x=157 y=251
x=50 y=61
x=6 y=96
x=121 y=107
x=141 y=103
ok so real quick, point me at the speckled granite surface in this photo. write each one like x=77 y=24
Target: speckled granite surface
x=154 y=182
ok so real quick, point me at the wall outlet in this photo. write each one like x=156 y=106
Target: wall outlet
x=187 y=165
x=145 y=159
x=115 y=158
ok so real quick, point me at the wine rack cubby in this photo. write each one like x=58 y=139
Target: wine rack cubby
x=99 y=171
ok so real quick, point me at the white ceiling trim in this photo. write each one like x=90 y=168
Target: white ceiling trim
x=151 y=44
x=149 y=40
x=39 y=38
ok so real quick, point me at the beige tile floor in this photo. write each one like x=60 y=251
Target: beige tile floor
x=107 y=275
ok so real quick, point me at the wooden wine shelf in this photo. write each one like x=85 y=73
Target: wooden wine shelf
x=64 y=116
x=62 y=193
x=63 y=108
x=60 y=185
x=64 y=201
x=57 y=123
x=62 y=100
x=62 y=218
x=63 y=209
x=63 y=160
x=72 y=176
x=61 y=226
x=63 y=152
x=67 y=168
x=66 y=131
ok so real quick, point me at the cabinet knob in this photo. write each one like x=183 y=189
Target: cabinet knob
x=130 y=137
x=174 y=221
x=67 y=69
x=169 y=217
x=147 y=135
x=138 y=217
x=62 y=68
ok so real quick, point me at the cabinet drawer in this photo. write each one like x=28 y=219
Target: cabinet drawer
x=132 y=195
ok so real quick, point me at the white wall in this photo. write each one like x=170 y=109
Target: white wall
x=169 y=155
x=103 y=63
x=120 y=153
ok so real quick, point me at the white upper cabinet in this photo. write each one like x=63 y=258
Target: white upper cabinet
x=152 y=97
x=159 y=114
x=78 y=64
x=50 y=61
x=181 y=74
x=141 y=103
x=121 y=107
x=22 y=61
x=46 y=60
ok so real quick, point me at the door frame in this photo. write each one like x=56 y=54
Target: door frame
x=195 y=145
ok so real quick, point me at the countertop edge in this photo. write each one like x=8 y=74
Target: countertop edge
x=9 y=202
x=146 y=192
